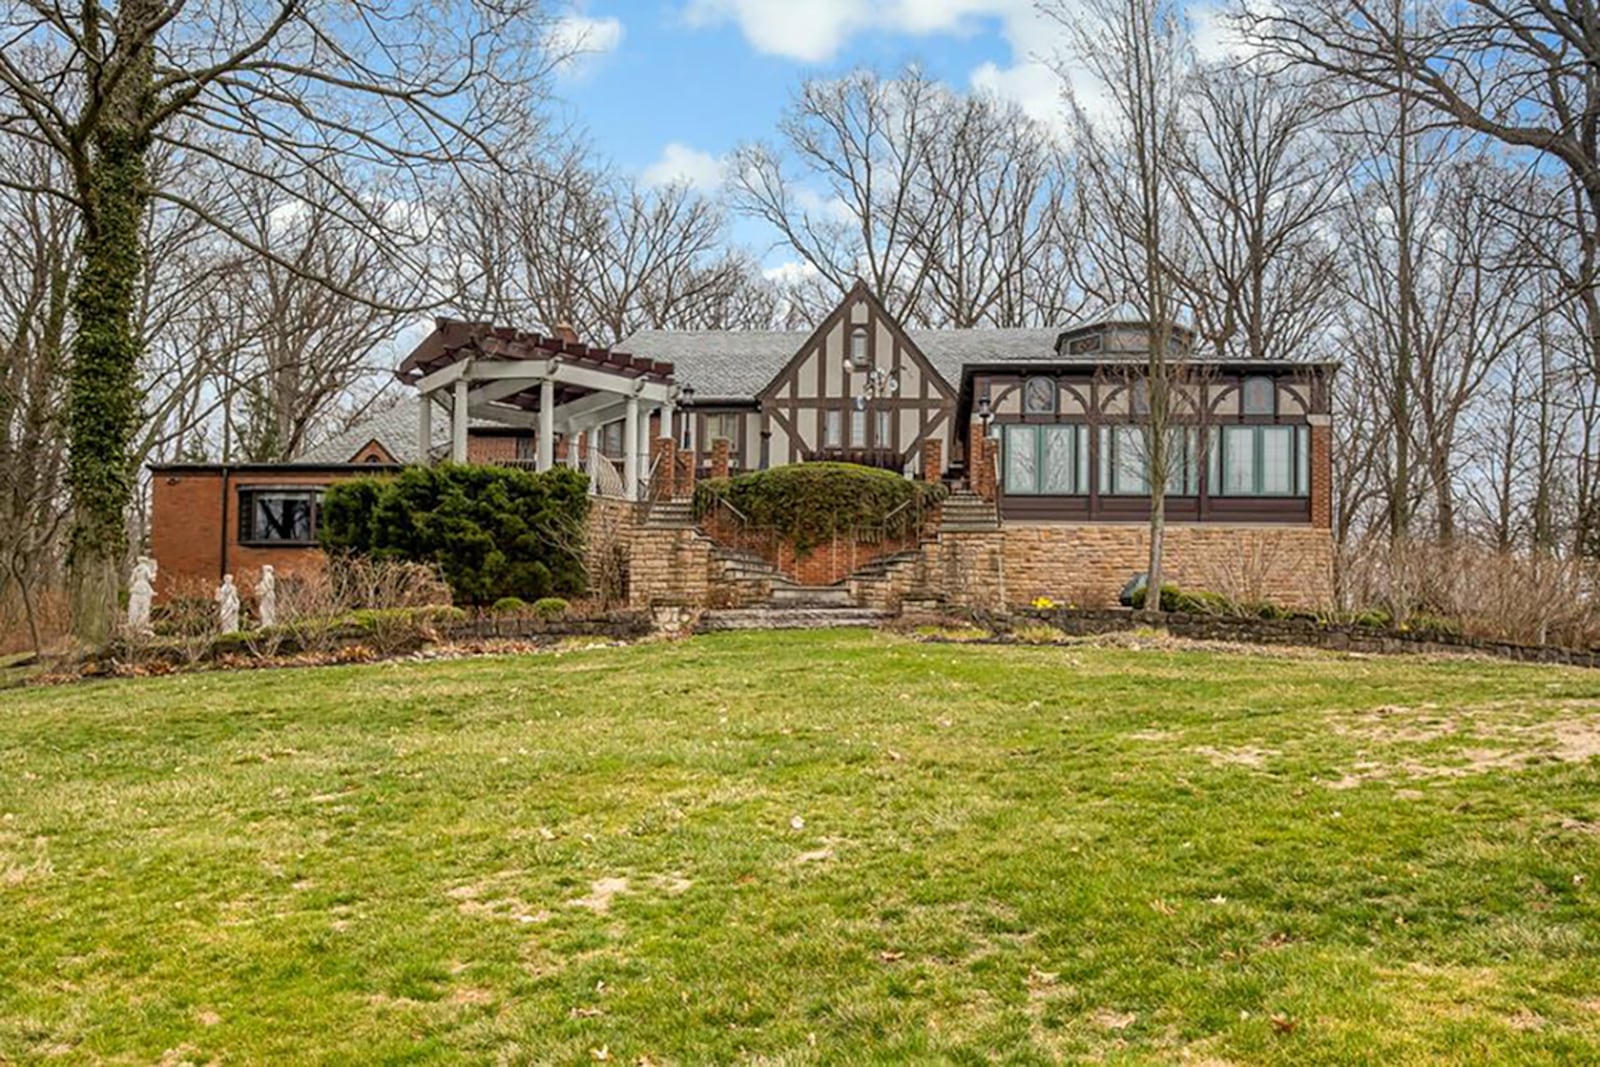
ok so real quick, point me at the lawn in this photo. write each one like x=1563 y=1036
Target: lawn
x=812 y=847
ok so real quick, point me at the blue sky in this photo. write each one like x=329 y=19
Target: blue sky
x=668 y=87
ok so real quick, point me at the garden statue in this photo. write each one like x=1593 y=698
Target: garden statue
x=267 y=596
x=141 y=591
x=227 y=599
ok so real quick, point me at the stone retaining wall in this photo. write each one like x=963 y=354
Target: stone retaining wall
x=1303 y=632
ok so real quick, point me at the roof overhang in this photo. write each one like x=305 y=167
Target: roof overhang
x=506 y=372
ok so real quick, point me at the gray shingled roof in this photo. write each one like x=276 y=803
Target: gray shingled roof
x=719 y=364
x=738 y=364
x=951 y=350
x=394 y=428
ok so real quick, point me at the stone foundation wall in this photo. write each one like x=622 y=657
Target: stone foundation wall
x=1085 y=565
x=1088 y=564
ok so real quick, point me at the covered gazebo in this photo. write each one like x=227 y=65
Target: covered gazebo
x=554 y=385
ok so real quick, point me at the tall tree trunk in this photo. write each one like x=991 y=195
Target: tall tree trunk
x=103 y=398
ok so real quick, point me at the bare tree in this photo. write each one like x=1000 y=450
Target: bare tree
x=1260 y=174
x=264 y=90
x=1127 y=176
x=575 y=245
x=946 y=204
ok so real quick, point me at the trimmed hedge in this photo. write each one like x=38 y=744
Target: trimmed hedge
x=493 y=532
x=807 y=503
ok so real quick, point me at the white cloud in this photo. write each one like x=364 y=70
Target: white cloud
x=1033 y=86
x=815 y=204
x=814 y=30
x=580 y=39
x=681 y=164
x=1217 y=38
x=790 y=272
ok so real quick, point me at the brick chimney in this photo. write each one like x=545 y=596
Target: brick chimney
x=565 y=331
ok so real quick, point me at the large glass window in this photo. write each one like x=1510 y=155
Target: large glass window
x=858 y=428
x=833 y=428
x=1052 y=460
x=1261 y=461
x=1125 y=461
x=279 y=516
x=885 y=429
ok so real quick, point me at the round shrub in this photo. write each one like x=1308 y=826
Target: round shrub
x=550 y=607
x=807 y=503
x=509 y=605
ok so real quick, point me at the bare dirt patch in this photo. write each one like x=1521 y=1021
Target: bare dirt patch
x=487 y=899
x=601 y=892
x=1437 y=743
x=1247 y=756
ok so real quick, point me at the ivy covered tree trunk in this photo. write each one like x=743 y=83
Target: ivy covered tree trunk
x=103 y=394
x=104 y=384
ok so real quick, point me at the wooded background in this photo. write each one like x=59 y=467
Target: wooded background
x=1410 y=188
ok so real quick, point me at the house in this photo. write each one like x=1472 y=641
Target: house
x=1039 y=431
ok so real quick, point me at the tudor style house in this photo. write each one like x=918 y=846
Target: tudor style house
x=1040 y=432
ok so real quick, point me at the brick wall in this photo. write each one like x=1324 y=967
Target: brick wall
x=980 y=464
x=1322 y=477
x=194 y=527
x=494 y=448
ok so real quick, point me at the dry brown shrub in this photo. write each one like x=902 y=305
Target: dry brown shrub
x=1522 y=598
x=50 y=616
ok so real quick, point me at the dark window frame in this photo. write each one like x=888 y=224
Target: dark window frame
x=246 y=530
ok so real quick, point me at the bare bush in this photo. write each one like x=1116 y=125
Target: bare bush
x=1525 y=598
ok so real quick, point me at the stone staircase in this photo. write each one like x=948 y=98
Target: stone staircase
x=789 y=618
x=964 y=511
x=670 y=514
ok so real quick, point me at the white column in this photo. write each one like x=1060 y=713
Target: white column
x=630 y=450
x=458 y=424
x=668 y=417
x=547 y=424
x=425 y=428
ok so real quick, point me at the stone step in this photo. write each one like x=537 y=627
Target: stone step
x=831 y=596
x=787 y=619
x=670 y=514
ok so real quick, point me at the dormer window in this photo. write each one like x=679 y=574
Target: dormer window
x=858 y=347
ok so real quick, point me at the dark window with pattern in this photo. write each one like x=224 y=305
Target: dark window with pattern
x=279 y=516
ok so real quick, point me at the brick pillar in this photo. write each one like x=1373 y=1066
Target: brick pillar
x=683 y=478
x=980 y=464
x=932 y=460
x=719 y=458
x=663 y=465
x=1322 y=477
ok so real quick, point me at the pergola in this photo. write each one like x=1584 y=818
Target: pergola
x=550 y=384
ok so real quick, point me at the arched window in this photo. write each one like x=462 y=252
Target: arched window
x=1039 y=396
x=1260 y=396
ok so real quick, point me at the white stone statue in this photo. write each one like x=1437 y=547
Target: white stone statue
x=227 y=599
x=141 y=591
x=267 y=596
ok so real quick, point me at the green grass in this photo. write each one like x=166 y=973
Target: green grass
x=823 y=847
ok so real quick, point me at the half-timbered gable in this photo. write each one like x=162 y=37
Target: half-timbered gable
x=858 y=388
